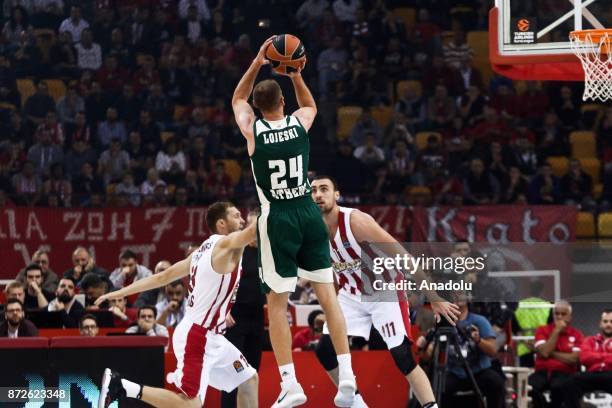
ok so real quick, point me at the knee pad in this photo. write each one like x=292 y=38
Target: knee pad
x=403 y=357
x=326 y=353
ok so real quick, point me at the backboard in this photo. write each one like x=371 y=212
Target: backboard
x=529 y=39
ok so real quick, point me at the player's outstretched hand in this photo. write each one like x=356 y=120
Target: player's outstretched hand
x=105 y=297
x=260 y=58
x=446 y=309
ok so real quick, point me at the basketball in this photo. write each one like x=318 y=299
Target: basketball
x=286 y=54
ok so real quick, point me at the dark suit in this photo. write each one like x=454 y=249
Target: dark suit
x=71 y=319
x=26 y=329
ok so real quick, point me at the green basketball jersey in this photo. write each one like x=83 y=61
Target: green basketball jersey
x=280 y=161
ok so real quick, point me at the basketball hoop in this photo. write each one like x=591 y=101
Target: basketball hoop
x=594 y=48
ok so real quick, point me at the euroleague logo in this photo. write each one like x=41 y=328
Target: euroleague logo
x=523 y=25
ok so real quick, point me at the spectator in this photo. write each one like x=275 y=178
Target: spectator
x=529 y=315
x=366 y=125
x=129 y=270
x=148 y=186
x=111 y=128
x=89 y=53
x=192 y=26
x=94 y=286
x=74 y=24
x=16 y=24
x=567 y=108
x=112 y=76
x=159 y=104
x=14 y=290
x=171 y=310
x=515 y=188
x=27 y=184
x=466 y=76
x=113 y=163
x=524 y=153
x=440 y=108
x=552 y=139
x=431 y=161
x=577 y=186
x=129 y=189
x=557 y=347
x=27 y=57
x=544 y=187
x=201 y=6
x=83 y=264
x=480 y=186
x=146 y=324
x=471 y=105
x=16 y=325
x=331 y=65
x=477 y=339
x=145 y=76
x=310 y=12
x=148 y=130
x=346 y=10
x=307 y=339
x=128 y=105
x=58 y=185
x=219 y=183
x=400 y=166
x=65 y=303
x=175 y=81
x=38 y=105
x=50 y=278
x=368 y=153
x=62 y=56
x=87 y=184
x=170 y=162
x=88 y=325
x=80 y=152
x=69 y=106
x=36 y=297
x=457 y=50
x=411 y=105
x=596 y=355
x=123 y=316
x=153 y=296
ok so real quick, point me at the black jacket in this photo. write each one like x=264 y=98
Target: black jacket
x=26 y=329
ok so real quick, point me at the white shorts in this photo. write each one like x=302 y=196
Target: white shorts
x=205 y=358
x=391 y=319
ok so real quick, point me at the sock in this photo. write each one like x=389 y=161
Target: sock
x=132 y=390
x=345 y=370
x=430 y=405
x=287 y=373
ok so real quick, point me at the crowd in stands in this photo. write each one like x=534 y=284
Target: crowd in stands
x=126 y=103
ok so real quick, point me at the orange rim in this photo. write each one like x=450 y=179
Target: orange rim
x=595 y=36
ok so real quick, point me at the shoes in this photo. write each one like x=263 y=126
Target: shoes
x=345 y=397
x=111 y=388
x=290 y=396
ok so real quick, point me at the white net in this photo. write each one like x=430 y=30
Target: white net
x=595 y=53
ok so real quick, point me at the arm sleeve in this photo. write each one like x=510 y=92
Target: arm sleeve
x=540 y=336
x=485 y=328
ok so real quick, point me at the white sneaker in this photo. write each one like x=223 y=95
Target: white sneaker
x=290 y=396
x=359 y=402
x=346 y=393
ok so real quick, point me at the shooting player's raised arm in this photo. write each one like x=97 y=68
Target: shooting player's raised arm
x=308 y=107
x=243 y=113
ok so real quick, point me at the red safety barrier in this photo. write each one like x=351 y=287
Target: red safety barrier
x=114 y=341
x=24 y=342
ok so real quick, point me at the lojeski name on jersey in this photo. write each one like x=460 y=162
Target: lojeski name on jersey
x=281 y=136
x=289 y=193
